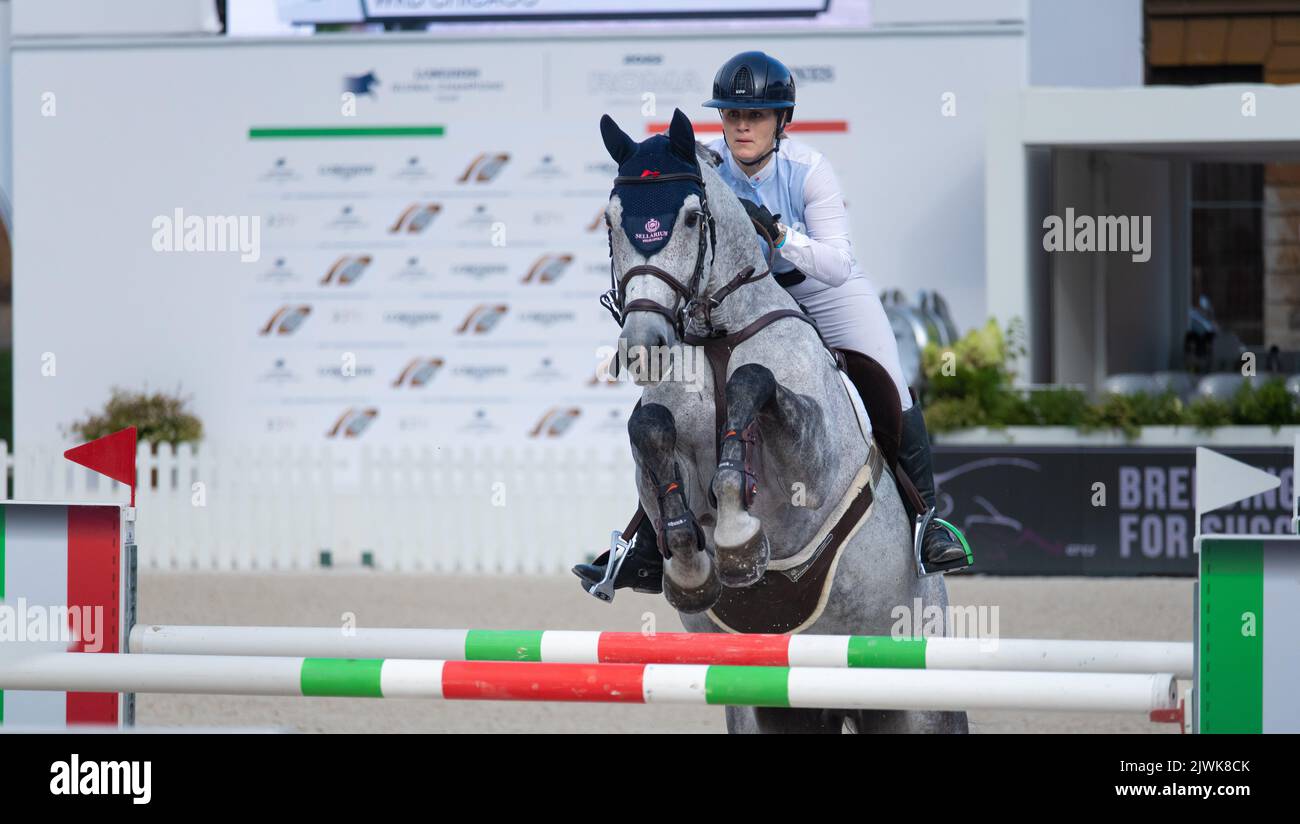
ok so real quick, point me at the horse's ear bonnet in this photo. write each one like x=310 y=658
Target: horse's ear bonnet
x=649 y=212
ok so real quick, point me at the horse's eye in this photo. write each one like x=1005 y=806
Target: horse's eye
x=692 y=219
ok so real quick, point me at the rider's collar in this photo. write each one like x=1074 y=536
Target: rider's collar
x=760 y=176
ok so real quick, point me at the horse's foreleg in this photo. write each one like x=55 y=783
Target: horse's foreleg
x=794 y=423
x=690 y=584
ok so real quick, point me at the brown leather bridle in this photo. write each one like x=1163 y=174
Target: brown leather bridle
x=689 y=301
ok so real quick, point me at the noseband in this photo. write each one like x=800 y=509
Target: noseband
x=689 y=302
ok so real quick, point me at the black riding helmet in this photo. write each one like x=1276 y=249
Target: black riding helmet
x=755 y=80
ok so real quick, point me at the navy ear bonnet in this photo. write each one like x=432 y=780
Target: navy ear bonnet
x=650 y=209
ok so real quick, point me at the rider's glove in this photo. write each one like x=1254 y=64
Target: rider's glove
x=762 y=218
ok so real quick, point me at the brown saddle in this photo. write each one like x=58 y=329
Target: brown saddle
x=880 y=398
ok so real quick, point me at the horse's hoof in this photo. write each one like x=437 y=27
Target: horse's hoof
x=693 y=600
x=743 y=565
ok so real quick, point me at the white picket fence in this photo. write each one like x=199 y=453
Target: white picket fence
x=484 y=510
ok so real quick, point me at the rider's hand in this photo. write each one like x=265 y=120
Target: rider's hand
x=763 y=219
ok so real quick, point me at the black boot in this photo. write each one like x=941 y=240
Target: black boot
x=941 y=549
x=642 y=569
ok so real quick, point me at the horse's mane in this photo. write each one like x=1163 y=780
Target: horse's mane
x=707 y=155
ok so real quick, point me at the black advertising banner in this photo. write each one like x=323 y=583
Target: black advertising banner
x=1095 y=510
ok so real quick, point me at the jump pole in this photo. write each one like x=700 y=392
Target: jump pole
x=887 y=689
x=670 y=648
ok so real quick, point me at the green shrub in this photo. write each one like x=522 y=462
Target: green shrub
x=1207 y=413
x=157 y=417
x=947 y=414
x=1057 y=406
x=1266 y=405
x=971 y=384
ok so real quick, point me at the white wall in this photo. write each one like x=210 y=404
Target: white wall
x=1095 y=43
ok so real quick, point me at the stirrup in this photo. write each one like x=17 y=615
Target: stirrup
x=918 y=540
x=618 y=551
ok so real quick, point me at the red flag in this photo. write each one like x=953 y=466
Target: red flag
x=112 y=455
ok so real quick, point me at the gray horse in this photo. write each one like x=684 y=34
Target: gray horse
x=794 y=445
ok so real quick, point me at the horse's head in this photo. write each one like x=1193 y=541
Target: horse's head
x=664 y=239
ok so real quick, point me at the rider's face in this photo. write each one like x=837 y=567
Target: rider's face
x=749 y=132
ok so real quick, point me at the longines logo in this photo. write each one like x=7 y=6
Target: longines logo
x=547 y=169
x=479 y=271
x=413 y=170
x=484 y=167
x=412 y=319
x=642 y=59
x=480 y=423
x=286 y=320
x=346 y=270
x=482 y=319
x=346 y=218
x=480 y=218
x=279 y=373
x=336 y=371
x=279 y=272
x=418 y=373
x=548 y=319
x=482 y=372
x=545 y=373
x=280 y=172
x=353 y=422
x=346 y=171
x=547 y=269
x=555 y=422
x=412 y=270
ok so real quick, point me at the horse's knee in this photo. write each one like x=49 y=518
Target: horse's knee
x=652 y=428
x=751 y=382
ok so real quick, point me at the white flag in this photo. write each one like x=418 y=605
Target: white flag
x=1221 y=480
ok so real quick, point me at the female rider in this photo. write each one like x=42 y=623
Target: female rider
x=789 y=189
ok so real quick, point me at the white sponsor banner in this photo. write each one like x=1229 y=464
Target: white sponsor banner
x=429 y=244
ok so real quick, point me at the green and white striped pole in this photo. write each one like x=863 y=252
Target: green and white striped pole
x=558 y=646
x=886 y=689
